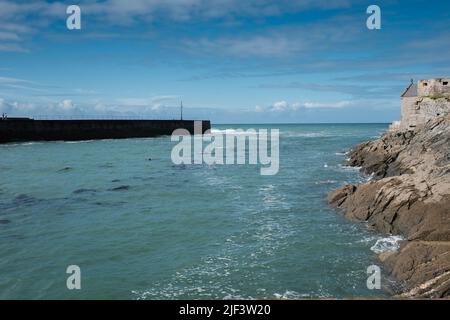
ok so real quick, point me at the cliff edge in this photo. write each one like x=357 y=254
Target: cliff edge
x=409 y=195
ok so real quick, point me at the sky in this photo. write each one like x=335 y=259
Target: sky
x=230 y=61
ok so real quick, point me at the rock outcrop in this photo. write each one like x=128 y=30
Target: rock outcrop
x=408 y=195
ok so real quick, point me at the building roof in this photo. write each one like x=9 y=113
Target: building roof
x=411 y=91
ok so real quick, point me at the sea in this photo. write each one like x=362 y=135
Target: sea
x=138 y=226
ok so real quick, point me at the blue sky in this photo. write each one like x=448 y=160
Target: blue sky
x=230 y=61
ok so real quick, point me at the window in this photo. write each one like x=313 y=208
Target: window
x=425 y=84
x=445 y=83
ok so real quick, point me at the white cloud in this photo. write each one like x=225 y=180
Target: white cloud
x=157 y=106
x=20 y=21
x=284 y=106
x=127 y=12
x=27 y=109
x=8 y=36
x=280 y=106
x=153 y=103
x=333 y=105
x=137 y=102
x=3 y=106
x=260 y=45
x=282 y=41
x=15 y=107
x=16 y=26
x=67 y=105
x=8 y=80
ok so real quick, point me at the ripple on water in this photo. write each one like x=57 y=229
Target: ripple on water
x=207 y=232
x=80 y=191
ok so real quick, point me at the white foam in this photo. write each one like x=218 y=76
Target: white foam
x=76 y=142
x=391 y=244
x=341 y=153
x=21 y=144
x=230 y=132
x=289 y=294
x=304 y=134
x=348 y=168
x=30 y=143
x=325 y=182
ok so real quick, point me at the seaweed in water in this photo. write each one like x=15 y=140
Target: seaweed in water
x=120 y=188
x=78 y=191
x=24 y=199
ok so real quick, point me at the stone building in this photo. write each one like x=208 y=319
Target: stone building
x=423 y=101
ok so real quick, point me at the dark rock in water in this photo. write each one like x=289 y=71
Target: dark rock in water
x=79 y=191
x=23 y=199
x=4 y=221
x=65 y=169
x=409 y=196
x=120 y=188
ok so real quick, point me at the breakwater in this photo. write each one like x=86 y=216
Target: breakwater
x=25 y=129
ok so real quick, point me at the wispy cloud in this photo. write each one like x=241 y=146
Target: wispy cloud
x=355 y=91
x=310 y=56
x=21 y=20
x=153 y=102
x=129 y=12
x=154 y=106
x=284 y=106
x=22 y=88
x=282 y=41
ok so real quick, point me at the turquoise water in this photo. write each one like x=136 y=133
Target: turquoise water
x=143 y=229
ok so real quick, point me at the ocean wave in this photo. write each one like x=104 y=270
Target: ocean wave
x=370 y=177
x=326 y=182
x=304 y=134
x=391 y=243
x=21 y=144
x=348 y=168
x=231 y=131
x=289 y=295
x=76 y=142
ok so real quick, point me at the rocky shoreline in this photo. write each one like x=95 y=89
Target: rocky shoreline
x=408 y=195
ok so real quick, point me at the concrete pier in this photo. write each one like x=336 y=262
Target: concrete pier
x=25 y=129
